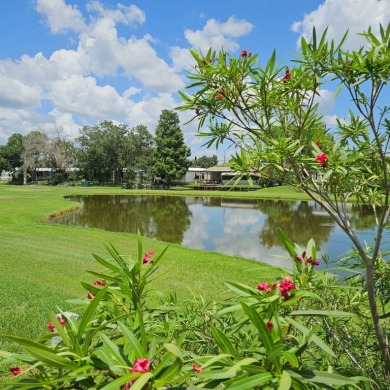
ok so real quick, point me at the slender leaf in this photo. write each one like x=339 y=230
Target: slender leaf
x=250 y=382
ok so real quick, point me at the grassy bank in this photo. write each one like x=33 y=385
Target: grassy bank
x=42 y=264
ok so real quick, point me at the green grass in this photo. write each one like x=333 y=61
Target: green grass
x=42 y=264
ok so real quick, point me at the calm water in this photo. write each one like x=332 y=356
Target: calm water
x=243 y=227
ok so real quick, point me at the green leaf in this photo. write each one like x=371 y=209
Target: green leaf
x=117 y=383
x=88 y=314
x=241 y=289
x=223 y=342
x=113 y=350
x=174 y=349
x=285 y=381
x=291 y=358
x=287 y=243
x=105 y=263
x=45 y=354
x=315 y=339
x=326 y=378
x=170 y=371
x=137 y=350
x=262 y=329
x=251 y=382
x=216 y=359
x=324 y=313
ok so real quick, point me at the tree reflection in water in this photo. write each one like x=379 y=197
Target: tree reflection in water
x=243 y=227
x=160 y=217
x=298 y=220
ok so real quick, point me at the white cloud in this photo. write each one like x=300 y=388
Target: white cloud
x=181 y=58
x=123 y=14
x=16 y=94
x=69 y=82
x=338 y=16
x=60 y=17
x=81 y=96
x=325 y=100
x=218 y=35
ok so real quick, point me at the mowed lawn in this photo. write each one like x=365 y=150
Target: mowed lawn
x=42 y=264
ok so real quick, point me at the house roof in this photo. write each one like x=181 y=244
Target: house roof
x=218 y=169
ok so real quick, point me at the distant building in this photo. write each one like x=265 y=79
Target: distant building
x=6 y=176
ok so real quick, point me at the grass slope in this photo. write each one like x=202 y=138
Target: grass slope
x=42 y=264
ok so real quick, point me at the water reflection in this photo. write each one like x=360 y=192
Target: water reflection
x=243 y=227
x=159 y=217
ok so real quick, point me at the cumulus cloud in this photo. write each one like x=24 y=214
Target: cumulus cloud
x=70 y=83
x=60 y=17
x=338 y=16
x=218 y=35
x=123 y=14
x=22 y=96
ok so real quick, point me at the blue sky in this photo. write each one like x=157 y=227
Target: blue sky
x=69 y=63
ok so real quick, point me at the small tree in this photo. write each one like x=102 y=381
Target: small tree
x=141 y=150
x=11 y=153
x=205 y=161
x=270 y=113
x=170 y=157
x=35 y=152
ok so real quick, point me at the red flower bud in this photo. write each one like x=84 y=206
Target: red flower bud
x=287 y=76
x=90 y=295
x=197 y=368
x=263 y=287
x=99 y=283
x=16 y=371
x=270 y=325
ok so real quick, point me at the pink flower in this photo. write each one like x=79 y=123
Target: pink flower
x=287 y=76
x=244 y=53
x=263 y=287
x=322 y=159
x=218 y=96
x=90 y=295
x=197 y=368
x=299 y=258
x=285 y=286
x=16 y=371
x=270 y=325
x=50 y=326
x=147 y=259
x=99 y=283
x=141 y=365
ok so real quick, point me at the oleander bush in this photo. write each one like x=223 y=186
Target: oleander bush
x=278 y=335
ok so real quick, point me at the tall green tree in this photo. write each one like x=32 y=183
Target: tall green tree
x=141 y=150
x=107 y=148
x=170 y=157
x=11 y=153
x=270 y=113
x=103 y=151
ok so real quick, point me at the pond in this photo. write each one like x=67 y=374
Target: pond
x=243 y=227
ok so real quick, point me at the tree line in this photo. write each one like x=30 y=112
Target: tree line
x=103 y=153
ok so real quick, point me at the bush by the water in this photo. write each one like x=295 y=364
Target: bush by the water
x=292 y=333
